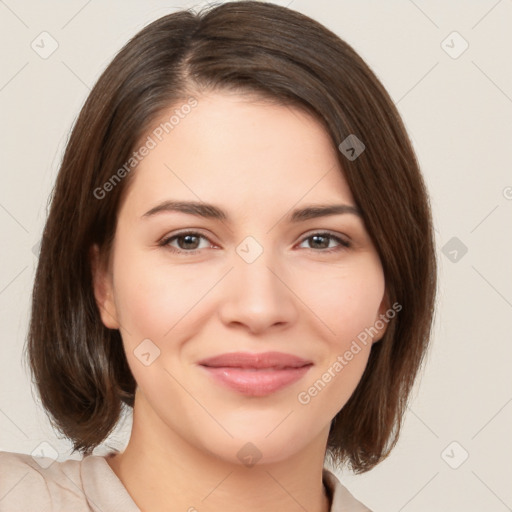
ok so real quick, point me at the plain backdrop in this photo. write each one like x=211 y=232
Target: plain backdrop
x=447 y=66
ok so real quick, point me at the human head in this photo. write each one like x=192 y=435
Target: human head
x=273 y=53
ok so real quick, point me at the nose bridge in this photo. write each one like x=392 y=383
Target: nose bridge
x=257 y=295
x=255 y=267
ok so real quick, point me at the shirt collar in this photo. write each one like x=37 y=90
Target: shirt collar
x=105 y=492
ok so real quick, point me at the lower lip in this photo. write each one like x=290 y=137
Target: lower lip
x=252 y=382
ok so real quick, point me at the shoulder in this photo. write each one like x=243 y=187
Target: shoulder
x=17 y=476
x=342 y=499
x=38 y=483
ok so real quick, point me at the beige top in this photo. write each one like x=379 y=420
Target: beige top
x=29 y=484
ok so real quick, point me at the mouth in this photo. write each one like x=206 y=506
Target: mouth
x=256 y=374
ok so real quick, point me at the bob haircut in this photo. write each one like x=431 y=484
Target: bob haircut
x=260 y=50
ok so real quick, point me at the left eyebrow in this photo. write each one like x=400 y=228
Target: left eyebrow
x=312 y=212
x=211 y=211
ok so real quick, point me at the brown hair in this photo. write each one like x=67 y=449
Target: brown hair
x=79 y=366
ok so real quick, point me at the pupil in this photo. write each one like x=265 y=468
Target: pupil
x=187 y=240
x=316 y=237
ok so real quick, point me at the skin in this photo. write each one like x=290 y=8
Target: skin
x=257 y=161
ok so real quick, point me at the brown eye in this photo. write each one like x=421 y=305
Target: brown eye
x=321 y=241
x=188 y=242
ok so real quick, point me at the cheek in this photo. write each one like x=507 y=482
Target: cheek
x=345 y=299
x=347 y=302
x=153 y=298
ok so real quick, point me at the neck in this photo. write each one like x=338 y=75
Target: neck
x=162 y=471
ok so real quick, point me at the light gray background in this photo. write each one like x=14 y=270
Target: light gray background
x=458 y=112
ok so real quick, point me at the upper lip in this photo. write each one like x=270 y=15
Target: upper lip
x=261 y=360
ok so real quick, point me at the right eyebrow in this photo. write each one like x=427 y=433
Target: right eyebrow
x=190 y=207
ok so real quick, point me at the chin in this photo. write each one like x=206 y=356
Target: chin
x=257 y=449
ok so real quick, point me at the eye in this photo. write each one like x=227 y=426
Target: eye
x=187 y=242
x=322 y=239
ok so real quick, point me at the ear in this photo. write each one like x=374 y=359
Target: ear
x=103 y=289
x=381 y=320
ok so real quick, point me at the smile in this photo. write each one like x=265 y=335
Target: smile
x=257 y=374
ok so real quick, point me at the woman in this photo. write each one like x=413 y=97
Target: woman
x=239 y=247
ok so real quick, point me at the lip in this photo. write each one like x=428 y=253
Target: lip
x=263 y=360
x=256 y=374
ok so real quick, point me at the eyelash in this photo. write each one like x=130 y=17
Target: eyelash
x=343 y=243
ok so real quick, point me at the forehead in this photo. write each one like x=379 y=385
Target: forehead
x=243 y=153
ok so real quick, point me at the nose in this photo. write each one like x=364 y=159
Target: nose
x=258 y=295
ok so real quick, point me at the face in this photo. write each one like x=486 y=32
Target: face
x=183 y=287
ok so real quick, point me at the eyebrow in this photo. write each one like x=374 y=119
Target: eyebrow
x=211 y=211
